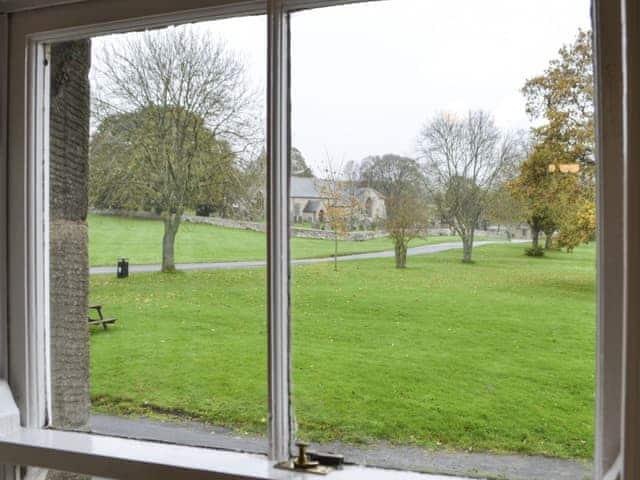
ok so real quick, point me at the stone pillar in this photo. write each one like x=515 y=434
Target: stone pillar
x=69 y=274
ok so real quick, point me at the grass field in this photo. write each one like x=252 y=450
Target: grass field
x=140 y=241
x=497 y=355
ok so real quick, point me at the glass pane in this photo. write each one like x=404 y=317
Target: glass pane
x=157 y=229
x=443 y=184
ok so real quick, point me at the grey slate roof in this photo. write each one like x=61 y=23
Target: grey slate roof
x=304 y=187
x=312 y=188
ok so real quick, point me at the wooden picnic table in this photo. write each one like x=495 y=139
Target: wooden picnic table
x=100 y=320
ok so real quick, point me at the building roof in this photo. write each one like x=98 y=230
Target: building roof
x=304 y=187
x=312 y=188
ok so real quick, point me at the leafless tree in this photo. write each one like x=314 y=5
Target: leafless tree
x=187 y=98
x=465 y=158
x=340 y=201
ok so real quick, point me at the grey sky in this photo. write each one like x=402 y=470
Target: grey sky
x=365 y=77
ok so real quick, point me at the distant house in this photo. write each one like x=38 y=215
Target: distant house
x=308 y=201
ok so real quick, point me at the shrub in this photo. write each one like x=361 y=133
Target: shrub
x=204 y=210
x=534 y=251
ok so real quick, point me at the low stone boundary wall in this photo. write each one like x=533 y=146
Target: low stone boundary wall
x=125 y=213
x=225 y=222
x=356 y=236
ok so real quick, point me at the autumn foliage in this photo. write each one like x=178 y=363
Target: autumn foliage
x=556 y=184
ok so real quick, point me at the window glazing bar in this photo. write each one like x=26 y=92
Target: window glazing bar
x=278 y=140
x=607 y=42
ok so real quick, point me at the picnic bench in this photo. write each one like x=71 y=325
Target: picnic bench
x=100 y=320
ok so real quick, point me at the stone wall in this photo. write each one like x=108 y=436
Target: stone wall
x=295 y=231
x=516 y=232
x=226 y=222
x=69 y=267
x=244 y=225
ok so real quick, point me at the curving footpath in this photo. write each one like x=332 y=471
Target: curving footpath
x=422 y=250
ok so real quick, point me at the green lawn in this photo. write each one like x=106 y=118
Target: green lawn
x=497 y=355
x=141 y=240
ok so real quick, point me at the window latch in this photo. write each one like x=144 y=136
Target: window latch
x=309 y=462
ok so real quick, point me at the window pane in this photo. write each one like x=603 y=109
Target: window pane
x=443 y=184
x=158 y=249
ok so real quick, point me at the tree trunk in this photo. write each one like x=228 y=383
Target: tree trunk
x=548 y=240
x=171 y=225
x=467 y=248
x=401 y=254
x=335 y=252
x=535 y=237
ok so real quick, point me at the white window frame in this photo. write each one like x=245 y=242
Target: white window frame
x=608 y=55
x=23 y=242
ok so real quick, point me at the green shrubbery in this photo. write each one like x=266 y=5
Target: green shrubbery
x=536 y=251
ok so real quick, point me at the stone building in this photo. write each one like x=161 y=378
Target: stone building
x=308 y=201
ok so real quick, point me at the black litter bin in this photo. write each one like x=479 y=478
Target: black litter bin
x=123 y=268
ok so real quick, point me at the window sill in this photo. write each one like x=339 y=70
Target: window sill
x=113 y=457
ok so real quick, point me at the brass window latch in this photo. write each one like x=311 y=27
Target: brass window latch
x=309 y=462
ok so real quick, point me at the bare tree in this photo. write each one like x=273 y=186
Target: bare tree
x=465 y=158
x=186 y=103
x=341 y=203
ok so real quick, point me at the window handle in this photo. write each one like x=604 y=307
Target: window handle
x=302 y=461
x=310 y=462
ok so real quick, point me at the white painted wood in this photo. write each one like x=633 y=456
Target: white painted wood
x=609 y=160
x=43 y=301
x=9 y=423
x=137 y=460
x=278 y=269
x=27 y=365
x=37 y=239
x=9 y=413
x=631 y=359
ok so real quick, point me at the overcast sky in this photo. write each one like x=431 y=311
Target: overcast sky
x=366 y=77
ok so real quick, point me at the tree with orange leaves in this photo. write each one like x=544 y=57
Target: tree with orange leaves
x=557 y=181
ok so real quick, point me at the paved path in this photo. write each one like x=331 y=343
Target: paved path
x=467 y=464
x=422 y=250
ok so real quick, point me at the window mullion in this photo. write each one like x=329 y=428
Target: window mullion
x=278 y=140
x=608 y=77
